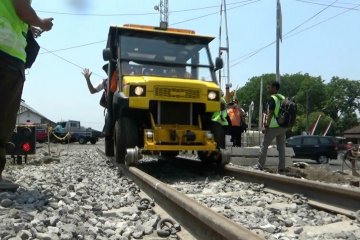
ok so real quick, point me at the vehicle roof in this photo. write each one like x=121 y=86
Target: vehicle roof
x=309 y=136
x=116 y=30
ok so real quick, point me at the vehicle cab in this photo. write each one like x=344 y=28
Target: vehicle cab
x=164 y=93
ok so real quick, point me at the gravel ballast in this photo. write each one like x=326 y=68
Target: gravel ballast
x=272 y=216
x=76 y=196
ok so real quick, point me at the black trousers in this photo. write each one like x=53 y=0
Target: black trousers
x=11 y=85
x=235 y=132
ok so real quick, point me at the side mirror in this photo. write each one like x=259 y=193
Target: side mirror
x=107 y=54
x=219 y=63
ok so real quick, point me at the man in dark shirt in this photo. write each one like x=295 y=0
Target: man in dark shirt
x=272 y=129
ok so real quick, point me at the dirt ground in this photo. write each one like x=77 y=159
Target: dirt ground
x=323 y=174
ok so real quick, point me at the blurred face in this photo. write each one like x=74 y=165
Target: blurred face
x=271 y=89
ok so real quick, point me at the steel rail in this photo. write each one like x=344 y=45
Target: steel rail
x=200 y=221
x=326 y=196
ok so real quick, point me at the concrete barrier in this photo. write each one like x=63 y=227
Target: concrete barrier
x=248 y=156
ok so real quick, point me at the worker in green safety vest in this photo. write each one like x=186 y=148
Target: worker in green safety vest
x=221 y=116
x=272 y=129
x=16 y=18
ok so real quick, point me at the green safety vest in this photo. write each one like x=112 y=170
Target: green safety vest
x=277 y=98
x=220 y=116
x=216 y=117
x=12 y=31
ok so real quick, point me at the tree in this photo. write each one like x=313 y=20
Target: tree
x=339 y=100
x=343 y=102
x=311 y=95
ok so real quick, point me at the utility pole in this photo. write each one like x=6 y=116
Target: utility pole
x=307 y=112
x=225 y=49
x=163 y=8
x=278 y=38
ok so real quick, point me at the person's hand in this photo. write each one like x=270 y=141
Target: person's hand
x=36 y=31
x=86 y=72
x=46 y=24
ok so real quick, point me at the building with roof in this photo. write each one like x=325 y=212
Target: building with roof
x=353 y=134
x=27 y=114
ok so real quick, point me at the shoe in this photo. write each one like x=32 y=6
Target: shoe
x=258 y=167
x=283 y=171
x=6 y=185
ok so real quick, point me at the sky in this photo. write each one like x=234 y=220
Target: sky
x=323 y=41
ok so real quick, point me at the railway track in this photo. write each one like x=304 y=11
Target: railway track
x=329 y=197
x=218 y=205
x=200 y=221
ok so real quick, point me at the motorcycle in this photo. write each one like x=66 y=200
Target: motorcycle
x=351 y=159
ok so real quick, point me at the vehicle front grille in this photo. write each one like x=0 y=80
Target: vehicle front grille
x=176 y=93
x=169 y=112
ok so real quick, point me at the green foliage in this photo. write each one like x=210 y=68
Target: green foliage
x=337 y=101
x=343 y=102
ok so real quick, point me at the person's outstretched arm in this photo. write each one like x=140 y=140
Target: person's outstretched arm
x=87 y=74
x=27 y=14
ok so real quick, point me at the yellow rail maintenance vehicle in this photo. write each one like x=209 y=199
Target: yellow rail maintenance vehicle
x=162 y=94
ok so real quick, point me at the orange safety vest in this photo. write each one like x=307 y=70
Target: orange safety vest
x=113 y=82
x=235 y=117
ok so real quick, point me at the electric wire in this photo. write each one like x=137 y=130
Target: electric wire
x=70 y=62
x=248 y=55
x=237 y=60
x=69 y=48
x=311 y=18
x=135 y=14
x=87 y=44
x=322 y=4
x=325 y=20
x=213 y=13
x=339 y=2
x=286 y=36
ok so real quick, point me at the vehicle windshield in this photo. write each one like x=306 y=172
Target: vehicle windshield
x=166 y=56
x=62 y=124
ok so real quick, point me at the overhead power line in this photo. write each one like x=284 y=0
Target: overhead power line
x=341 y=2
x=70 y=62
x=246 y=2
x=188 y=20
x=135 y=14
x=69 y=48
x=325 y=20
x=253 y=53
x=217 y=12
x=323 y=4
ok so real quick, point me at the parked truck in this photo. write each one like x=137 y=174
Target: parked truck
x=75 y=133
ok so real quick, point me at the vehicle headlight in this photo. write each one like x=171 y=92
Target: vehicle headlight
x=137 y=91
x=213 y=95
x=149 y=135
